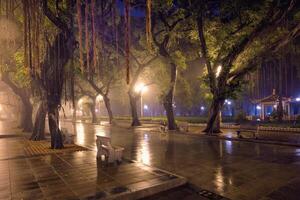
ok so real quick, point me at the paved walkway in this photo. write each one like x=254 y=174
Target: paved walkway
x=236 y=170
x=73 y=175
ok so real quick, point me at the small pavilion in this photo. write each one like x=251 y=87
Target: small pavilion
x=267 y=105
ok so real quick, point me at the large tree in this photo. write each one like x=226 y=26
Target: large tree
x=13 y=72
x=234 y=36
x=59 y=51
x=169 y=29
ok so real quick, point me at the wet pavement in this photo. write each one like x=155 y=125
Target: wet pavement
x=234 y=169
x=73 y=175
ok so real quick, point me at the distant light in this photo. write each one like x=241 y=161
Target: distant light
x=146 y=107
x=99 y=98
x=219 y=69
x=229 y=102
x=258 y=120
x=275 y=106
x=202 y=108
x=298 y=99
x=258 y=107
x=146 y=136
x=80 y=102
x=96 y=110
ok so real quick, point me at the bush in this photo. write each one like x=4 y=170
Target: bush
x=240 y=117
x=298 y=119
x=274 y=115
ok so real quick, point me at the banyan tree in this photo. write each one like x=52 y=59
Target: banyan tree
x=49 y=55
x=50 y=74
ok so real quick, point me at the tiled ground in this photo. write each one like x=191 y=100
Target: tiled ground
x=234 y=169
x=74 y=175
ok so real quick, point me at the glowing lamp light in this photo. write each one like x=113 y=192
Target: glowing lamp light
x=227 y=102
x=99 y=98
x=202 y=108
x=140 y=88
x=219 y=69
x=298 y=99
x=146 y=107
x=96 y=110
x=80 y=102
x=258 y=107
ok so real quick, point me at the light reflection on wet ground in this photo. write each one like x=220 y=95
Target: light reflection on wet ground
x=238 y=170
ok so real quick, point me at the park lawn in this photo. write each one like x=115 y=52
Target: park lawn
x=203 y=119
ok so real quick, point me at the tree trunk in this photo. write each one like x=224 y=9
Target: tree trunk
x=168 y=105
x=134 y=113
x=280 y=106
x=53 y=119
x=168 y=99
x=213 y=124
x=58 y=54
x=93 y=112
x=39 y=124
x=74 y=116
x=26 y=116
x=23 y=94
x=108 y=108
x=280 y=109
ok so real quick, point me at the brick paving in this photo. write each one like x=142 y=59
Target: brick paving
x=233 y=169
x=74 y=175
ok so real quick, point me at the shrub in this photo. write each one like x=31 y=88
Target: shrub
x=240 y=117
x=298 y=119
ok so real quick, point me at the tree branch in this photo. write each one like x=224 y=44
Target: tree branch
x=271 y=19
x=204 y=51
x=55 y=20
x=276 y=46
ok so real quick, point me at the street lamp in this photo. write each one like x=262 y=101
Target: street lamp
x=141 y=88
x=99 y=99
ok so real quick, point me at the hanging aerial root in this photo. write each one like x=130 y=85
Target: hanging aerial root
x=93 y=37
x=127 y=39
x=87 y=46
x=116 y=29
x=78 y=4
x=148 y=23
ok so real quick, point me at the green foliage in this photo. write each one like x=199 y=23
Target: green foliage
x=240 y=117
x=298 y=119
x=179 y=59
x=21 y=74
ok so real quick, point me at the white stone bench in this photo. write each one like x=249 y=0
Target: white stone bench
x=183 y=126
x=105 y=149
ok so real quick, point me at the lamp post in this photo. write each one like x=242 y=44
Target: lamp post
x=99 y=99
x=141 y=88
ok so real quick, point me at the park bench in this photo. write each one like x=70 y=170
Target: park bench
x=110 y=153
x=248 y=128
x=183 y=126
x=163 y=128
